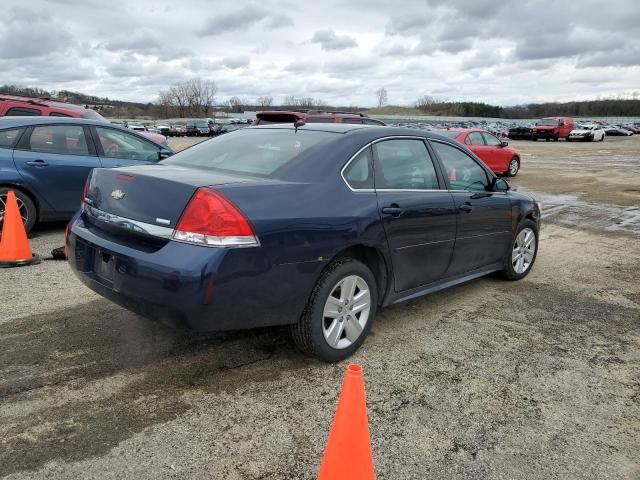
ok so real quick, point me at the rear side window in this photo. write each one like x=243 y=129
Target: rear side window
x=358 y=173
x=255 y=152
x=404 y=165
x=355 y=121
x=8 y=138
x=373 y=122
x=118 y=144
x=58 y=114
x=92 y=115
x=22 y=112
x=474 y=138
x=319 y=120
x=59 y=139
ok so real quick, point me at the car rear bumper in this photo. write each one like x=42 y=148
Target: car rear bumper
x=191 y=286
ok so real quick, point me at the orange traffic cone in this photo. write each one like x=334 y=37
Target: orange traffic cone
x=14 y=245
x=348 y=453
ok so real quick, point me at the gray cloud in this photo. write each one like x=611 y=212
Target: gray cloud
x=455 y=49
x=330 y=41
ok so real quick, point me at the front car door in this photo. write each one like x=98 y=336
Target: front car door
x=500 y=157
x=55 y=161
x=419 y=216
x=117 y=148
x=483 y=217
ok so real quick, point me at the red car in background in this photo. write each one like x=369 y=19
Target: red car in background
x=495 y=153
x=314 y=116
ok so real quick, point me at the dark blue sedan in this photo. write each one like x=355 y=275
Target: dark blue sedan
x=46 y=161
x=314 y=227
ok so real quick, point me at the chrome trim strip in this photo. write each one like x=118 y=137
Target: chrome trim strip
x=128 y=224
x=392 y=137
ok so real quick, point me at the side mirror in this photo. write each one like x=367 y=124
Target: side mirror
x=164 y=153
x=500 y=185
x=504 y=143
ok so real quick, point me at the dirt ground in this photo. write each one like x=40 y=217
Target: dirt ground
x=538 y=379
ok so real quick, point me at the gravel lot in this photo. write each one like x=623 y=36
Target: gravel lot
x=535 y=379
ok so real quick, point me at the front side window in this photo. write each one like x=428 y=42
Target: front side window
x=462 y=171
x=58 y=114
x=117 y=144
x=491 y=140
x=23 y=112
x=404 y=165
x=9 y=137
x=373 y=122
x=59 y=139
x=358 y=173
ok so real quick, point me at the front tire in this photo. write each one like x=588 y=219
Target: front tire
x=514 y=167
x=27 y=208
x=522 y=254
x=340 y=312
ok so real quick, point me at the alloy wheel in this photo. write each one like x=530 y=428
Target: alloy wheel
x=524 y=249
x=346 y=312
x=513 y=167
x=24 y=212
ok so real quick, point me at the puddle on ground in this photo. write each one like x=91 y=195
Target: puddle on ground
x=569 y=209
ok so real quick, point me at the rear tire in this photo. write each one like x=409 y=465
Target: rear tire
x=522 y=254
x=315 y=334
x=27 y=207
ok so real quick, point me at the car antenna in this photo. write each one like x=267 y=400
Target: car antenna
x=298 y=123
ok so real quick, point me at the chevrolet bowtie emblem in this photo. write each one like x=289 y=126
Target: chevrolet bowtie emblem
x=118 y=194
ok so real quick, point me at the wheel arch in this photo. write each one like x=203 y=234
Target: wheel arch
x=376 y=261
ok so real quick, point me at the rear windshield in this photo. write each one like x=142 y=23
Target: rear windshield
x=547 y=122
x=266 y=118
x=92 y=115
x=251 y=151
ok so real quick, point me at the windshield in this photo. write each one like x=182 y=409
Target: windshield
x=92 y=115
x=201 y=123
x=256 y=152
x=551 y=122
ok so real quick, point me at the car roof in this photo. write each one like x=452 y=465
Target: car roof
x=372 y=131
x=17 y=121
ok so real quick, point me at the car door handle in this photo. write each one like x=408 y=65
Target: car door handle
x=394 y=210
x=38 y=163
x=465 y=207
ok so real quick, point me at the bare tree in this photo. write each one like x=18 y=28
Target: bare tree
x=236 y=104
x=265 y=101
x=382 y=97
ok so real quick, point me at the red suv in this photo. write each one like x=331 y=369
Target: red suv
x=313 y=116
x=553 y=128
x=11 y=105
x=14 y=106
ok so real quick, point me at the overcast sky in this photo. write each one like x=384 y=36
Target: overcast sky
x=496 y=51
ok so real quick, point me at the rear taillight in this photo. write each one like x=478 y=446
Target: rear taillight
x=211 y=219
x=85 y=190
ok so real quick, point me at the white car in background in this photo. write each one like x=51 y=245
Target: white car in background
x=587 y=133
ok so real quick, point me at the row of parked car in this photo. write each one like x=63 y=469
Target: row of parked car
x=556 y=128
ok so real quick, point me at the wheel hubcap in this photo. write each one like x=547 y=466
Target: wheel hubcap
x=346 y=312
x=524 y=249
x=513 y=167
x=24 y=213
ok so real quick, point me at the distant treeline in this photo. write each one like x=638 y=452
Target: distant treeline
x=196 y=98
x=591 y=108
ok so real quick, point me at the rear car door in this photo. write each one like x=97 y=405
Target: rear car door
x=419 y=216
x=483 y=217
x=117 y=148
x=55 y=161
x=476 y=143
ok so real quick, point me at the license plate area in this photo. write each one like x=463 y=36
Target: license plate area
x=104 y=266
